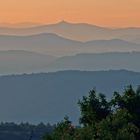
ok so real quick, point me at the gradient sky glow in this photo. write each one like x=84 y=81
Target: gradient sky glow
x=117 y=13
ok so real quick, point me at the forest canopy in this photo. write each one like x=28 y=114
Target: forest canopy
x=102 y=119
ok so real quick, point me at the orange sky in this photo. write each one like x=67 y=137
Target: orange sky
x=100 y=12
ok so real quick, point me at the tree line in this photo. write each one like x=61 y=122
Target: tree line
x=24 y=131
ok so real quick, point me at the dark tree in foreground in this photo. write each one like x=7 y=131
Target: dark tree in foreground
x=118 y=126
x=93 y=108
x=117 y=119
x=63 y=131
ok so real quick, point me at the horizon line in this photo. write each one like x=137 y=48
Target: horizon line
x=27 y=24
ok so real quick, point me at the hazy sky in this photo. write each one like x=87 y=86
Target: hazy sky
x=100 y=12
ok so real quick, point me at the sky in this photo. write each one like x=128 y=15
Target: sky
x=110 y=13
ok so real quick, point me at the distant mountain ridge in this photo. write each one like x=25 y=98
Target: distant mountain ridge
x=48 y=97
x=98 y=61
x=53 y=44
x=78 y=31
x=19 y=61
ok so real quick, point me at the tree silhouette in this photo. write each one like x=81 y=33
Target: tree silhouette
x=117 y=119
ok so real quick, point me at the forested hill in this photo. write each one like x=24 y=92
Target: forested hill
x=48 y=97
x=23 y=131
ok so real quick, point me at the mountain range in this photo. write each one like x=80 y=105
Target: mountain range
x=78 y=31
x=97 y=61
x=19 y=61
x=97 y=53
x=53 y=44
x=48 y=97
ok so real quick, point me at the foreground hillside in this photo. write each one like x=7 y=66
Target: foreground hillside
x=50 y=96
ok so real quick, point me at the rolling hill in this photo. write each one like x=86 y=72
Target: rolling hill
x=77 y=31
x=48 y=97
x=98 y=61
x=53 y=44
x=19 y=61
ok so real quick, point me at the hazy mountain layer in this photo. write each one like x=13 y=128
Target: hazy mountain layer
x=51 y=96
x=79 y=31
x=19 y=61
x=55 y=45
x=102 y=61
